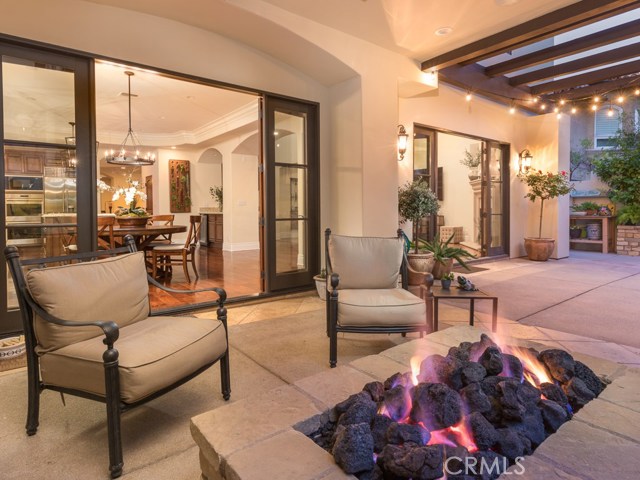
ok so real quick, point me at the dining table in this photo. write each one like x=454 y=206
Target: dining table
x=146 y=234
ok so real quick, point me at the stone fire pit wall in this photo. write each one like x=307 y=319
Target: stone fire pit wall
x=265 y=437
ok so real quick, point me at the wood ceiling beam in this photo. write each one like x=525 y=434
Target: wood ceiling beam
x=585 y=63
x=561 y=20
x=587 y=78
x=473 y=79
x=602 y=88
x=579 y=45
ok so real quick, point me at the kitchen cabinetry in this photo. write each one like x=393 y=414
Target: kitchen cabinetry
x=211 y=232
x=23 y=162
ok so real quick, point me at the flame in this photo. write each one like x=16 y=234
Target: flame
x=534 y=371
x=455 y=435
x=415 y=369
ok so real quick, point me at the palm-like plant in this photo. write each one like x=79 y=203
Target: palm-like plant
x=442 y=251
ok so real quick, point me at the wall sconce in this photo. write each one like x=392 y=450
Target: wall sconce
x=525 y=161
x=402 y=142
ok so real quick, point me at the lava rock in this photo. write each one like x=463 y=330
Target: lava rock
x=554 y=392
x=560 y=364
x=439 y=369
x=490 y=465
x=375 y=474
x=379 y=427
x=577 y=393
x=400 y=433
x=490 y=385
x=532 y=427
x=511 y=366
x=509 y=443
x=475 y=398
x=590 y=379
x=491 y=360
x=484 y=433
x=512 y=408
x=435 y=405
x=353 y=448
x=375 y=390
x=407 y=461
x=461 y=352
x=553 y=415
x=478 y=348
x=402 y=379
x=528 y=395
x=343 y=406
x=494 y=415
x=472 y=372
x=397 y=402
x=361 y=411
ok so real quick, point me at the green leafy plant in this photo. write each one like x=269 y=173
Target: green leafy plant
x=442 y=251
x=216 y=194
x=575 y=227
x=620 y=168
x=470 y=160
x=629 y=215
x=545 y=186
x=448 y=276
x=415 y=201
x=584 y=206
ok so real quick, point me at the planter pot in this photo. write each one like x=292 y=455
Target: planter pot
x=321 y=286
x=440 y=268
x=539 y=249
x=446 y=284
x=590 y=212
x=575 y=233
x=422 y=263
x=129 y=222
x=594 y=231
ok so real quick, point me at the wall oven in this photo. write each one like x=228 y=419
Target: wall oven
x=23 y=218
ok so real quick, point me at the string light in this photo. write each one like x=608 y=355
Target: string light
x=637 y=92
x=556 y=110
x=620 y=99
x=543 y=107
x=563 y=101
x=610 y=111
x=535 y=99
x=468 y=97
x=594 y=107
x=574 y=110
x=512 y=109
x=596 y=99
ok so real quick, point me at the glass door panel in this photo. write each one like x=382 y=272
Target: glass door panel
x=292 y=220
x=423 y=158
x=493 y=195
x=40 y=109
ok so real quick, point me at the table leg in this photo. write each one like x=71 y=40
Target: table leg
x=471 y=310
x=494 y=319
x=435 y=314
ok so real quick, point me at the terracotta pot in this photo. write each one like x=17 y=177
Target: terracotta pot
x=421 y=263
x=128 y=222
x=440 y=268
x=539 y=249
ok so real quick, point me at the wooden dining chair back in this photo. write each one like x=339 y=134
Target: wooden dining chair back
x=164 y=256
x=106 y=240
x=165 y=221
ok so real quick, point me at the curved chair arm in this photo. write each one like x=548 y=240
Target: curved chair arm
x=222 y=297
x=219 y=291
x=109 y=328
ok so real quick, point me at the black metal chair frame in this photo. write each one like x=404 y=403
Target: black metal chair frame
x=115 y=407
x=332 y=307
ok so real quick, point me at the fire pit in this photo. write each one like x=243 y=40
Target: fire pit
x=265 y=436
x=473 y=412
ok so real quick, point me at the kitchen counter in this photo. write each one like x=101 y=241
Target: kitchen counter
x=209 y=211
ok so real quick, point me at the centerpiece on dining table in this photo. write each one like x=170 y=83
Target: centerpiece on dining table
x=132 y=215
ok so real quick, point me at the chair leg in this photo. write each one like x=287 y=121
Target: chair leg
x=112 y=397
x=193 y=263
x=154 y=264
x=225 y=376
x=33 y=410
x=184 y=267
x=333 y=330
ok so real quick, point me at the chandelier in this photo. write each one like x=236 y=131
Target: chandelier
x=130 y=149
x=70 y=157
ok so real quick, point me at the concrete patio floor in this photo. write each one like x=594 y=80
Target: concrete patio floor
x=587 y=303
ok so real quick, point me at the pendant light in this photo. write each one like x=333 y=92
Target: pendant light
x=71 y=161
x=130 y=154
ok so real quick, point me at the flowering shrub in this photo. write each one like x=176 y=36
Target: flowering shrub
x=545 y=186
x=130 y=193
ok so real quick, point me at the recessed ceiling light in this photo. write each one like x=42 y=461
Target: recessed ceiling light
x=443 y=31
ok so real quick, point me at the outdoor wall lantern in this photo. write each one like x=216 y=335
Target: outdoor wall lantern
x=402 y=142
x=525 y=161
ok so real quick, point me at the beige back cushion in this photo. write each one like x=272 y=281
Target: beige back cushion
x=113 y=289
x=366 y=262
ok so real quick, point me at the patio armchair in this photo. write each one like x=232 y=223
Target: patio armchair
x=367 y=289
x=89 y=332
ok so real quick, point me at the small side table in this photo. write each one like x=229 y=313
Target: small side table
x=436 y=293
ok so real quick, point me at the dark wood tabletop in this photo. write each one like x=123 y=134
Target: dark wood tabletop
x=146 y=234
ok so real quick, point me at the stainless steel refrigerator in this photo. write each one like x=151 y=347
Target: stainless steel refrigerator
x=59 y=195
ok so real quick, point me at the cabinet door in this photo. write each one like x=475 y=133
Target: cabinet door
x=218 y=234
x=13 y=163
x=33 y=163
x=211 y=228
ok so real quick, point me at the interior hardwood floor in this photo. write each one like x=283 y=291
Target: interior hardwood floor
x=237 y=272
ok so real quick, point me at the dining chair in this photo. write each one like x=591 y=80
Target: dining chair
x=164 y=256
x=161 y=240
x=106 y=240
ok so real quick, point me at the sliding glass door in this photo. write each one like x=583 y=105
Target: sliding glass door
x=46 y=135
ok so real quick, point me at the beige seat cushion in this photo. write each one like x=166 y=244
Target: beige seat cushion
x=113 y=289
x=154 y=353
x=366 y=262
x=380 y=307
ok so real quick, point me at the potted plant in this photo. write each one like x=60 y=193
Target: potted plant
x=131 y=215
x=543 y=186
x=446 y=280
x=575 y=231
x=415 y=201
x=444 y=255
x=590 y=208
x=472 y=162
x=321 y=284
x=216 y=194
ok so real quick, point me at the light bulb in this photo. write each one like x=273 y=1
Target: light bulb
x=610 y=112
x=594 y=107
x=574 y=110
x=468 y=97
x=556 y=110
x=562 y=102
x=543 y=107
x=620 y=99
x=512 y=110
x=637 y=92
x=535 y=100
x=596 y=99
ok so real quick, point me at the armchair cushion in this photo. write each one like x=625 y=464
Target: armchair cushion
x=154 y=353
x=380 y=307
x=68 y=292
x=366 y=262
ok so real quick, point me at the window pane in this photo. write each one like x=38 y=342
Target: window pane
x=290 y=135
x=291 y=192
x=290 y=246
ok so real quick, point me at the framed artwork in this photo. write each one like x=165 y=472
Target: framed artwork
x=180 y=186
